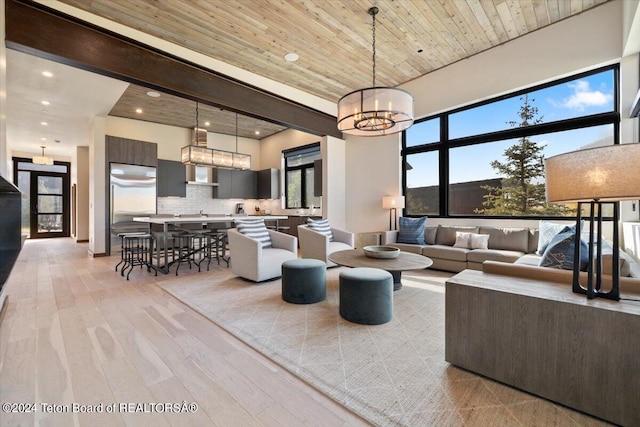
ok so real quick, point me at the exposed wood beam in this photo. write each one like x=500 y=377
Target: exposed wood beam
x=67 y=40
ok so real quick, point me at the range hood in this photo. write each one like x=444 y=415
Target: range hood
x=200 y=175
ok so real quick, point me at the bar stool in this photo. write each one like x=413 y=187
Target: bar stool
x=182 y=244
x=137 y=249
x=122 y=236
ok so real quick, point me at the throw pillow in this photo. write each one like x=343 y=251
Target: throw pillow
x=471 y=240
x=560 y=251
x=547 y=231
x=412 y=230
x=463 y=240
x=255 y=229
x=321 y=226
x=479 y=241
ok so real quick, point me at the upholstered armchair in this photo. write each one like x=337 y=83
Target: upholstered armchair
x=318 y=246
x=251 y=261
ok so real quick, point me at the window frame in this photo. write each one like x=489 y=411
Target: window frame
x=303 y=172
x=445 y=144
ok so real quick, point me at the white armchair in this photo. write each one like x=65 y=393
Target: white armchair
x=251 y=261
x=317 y=245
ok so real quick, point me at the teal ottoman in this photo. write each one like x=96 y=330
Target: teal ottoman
x=366 y=296
x=304 y=281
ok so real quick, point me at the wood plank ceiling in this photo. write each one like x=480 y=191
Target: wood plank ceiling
x=333 y=37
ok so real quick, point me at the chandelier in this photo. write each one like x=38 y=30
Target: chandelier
x=42 y=160
x=198 y=154
x=375 y=111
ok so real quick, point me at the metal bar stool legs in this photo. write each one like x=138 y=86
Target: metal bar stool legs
x=137 y=250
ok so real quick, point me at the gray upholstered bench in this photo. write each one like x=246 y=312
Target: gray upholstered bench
x=366 y=295
x=304 y=281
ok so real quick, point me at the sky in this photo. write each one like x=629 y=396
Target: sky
x=580 y=97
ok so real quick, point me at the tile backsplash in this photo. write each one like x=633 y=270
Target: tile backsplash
x=199 y=198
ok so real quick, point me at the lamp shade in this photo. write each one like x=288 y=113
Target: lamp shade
x=390 y=202
x=375 y=111
x=605 y=174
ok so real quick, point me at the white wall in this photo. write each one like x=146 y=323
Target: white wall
x=97 y=183
x=373 y=171
x=583 y=42
x=334 y=182
x=81 y=177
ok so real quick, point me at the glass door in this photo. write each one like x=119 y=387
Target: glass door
x=49 y=205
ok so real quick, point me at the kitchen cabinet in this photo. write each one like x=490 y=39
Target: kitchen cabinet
x=171 y=179
x=131 y=152
x=269 y=184
x=235 y=184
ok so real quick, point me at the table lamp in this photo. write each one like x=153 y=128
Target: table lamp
x=593 y=177
x=393 y=203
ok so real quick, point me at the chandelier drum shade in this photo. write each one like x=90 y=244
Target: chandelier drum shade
x=376 y=110
x=42 y=160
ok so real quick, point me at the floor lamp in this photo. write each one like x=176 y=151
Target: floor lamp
x=393 y=203
x=593 y=178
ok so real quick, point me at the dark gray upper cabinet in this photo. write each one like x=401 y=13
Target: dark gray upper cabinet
x=131 y=152
x=235 y=184
x=171 y=179
x=269 y=184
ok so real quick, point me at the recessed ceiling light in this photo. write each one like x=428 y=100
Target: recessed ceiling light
x=139 y=110
x=291 y=57
x=207 y=123
x=45 y=102
x=257 y=132
x=43 y=139
x=47 y=73
x=44 y=123
x=153 y=94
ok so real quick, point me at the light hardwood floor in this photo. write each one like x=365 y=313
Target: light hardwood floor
x=75 y=331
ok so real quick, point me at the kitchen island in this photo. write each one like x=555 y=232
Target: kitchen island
x=205 y=221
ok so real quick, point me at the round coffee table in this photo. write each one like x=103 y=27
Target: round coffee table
x=395 y=266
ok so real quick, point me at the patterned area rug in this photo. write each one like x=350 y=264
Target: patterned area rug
x=377 y=371
x=392 y=374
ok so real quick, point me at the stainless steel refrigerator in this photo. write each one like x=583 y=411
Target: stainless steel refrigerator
x=132 y=194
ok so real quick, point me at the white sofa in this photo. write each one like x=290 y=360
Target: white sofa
x=250 y=261
x=318 y=246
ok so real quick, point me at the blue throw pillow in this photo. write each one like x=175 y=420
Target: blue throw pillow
x=560 y=251
x=412 y=230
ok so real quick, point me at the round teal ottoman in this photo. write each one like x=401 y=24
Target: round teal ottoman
x=366 y=296
x=304 y=281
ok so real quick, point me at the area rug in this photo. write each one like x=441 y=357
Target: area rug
x=380 y=372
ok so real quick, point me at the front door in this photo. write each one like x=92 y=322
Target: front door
x=45 y=197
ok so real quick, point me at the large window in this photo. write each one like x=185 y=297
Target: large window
x=299 y=177
x=487 y=159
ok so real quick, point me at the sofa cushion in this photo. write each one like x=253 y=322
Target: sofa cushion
x=560 y=251
x=447 y=234
x=406 y=247
x=529 y=259
x=430 y=235
x=510 y=239
x=412 y=230
x=445 y=252
x=482 y=255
